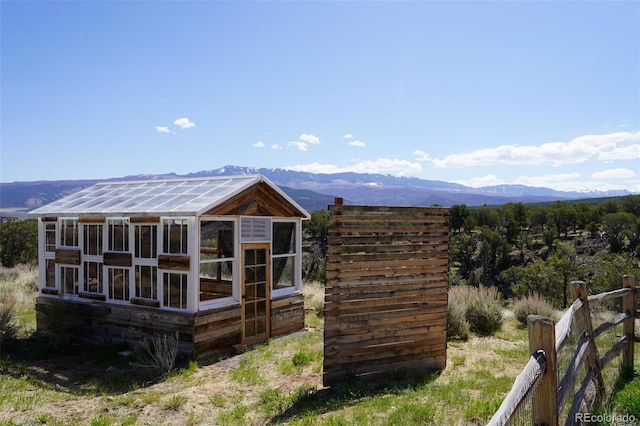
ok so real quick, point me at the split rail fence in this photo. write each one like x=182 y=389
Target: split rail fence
x=552 y=378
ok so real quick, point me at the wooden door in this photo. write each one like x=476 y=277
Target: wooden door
x=256 y=298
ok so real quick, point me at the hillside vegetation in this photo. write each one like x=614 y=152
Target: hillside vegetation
x=505 y=262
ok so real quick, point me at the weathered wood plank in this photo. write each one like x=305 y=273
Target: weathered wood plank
x=68 y=256
x=434 y=246
x=401 y=281
x=144 y=219
x=386 y=264
x=522 y=385
x=418 y=316
x=117 y=259
x=386 y=272
x=618 y=319
x=174 y=262
x=367 y=259
x=609 y=295
x=349 y=296
x=92 y=219
x=361 y=242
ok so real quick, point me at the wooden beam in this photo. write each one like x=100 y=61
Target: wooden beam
x=542 y=337
x=628 y=327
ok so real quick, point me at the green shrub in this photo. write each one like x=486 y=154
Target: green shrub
x=8 y=328
x=158 y=353
x=457 y=326
x=481 y=305
x=532 y=305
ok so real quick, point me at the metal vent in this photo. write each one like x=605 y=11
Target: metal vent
x=255 y=229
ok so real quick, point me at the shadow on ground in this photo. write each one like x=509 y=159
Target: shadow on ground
x=52 y=363
x=352 y=390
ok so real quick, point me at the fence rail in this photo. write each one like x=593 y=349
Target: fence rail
x=543 y=389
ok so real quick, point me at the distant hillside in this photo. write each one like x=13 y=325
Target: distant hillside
x=315 y=191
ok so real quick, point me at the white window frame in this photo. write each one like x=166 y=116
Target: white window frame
x=235 y=268
x=151 y=262
x=62 y=243
x=192 y=288
x=45 y=255
x=296 y=256
x=95 y=258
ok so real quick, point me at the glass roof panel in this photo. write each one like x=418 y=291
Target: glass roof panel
x=188 y=196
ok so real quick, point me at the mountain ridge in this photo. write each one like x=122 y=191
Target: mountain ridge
x=315 y=191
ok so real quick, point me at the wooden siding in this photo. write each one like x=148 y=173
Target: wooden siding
x=217 y=330
x=174 y=262
x=258 y=200
x=68 y=256
x=287 y=314
x=201 y=335
x=117 y=259
x=386 y=292
x=101 y=323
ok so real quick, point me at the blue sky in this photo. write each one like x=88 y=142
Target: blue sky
x=479 y=93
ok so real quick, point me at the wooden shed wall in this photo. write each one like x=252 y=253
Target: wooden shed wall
x=101 y=323
x=386 y=293
x=204 y=334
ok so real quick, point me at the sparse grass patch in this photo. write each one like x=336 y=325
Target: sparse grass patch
x=412 y=414
x=175 y=402
x=314 y=297
x=233 y=417
x=248 y=372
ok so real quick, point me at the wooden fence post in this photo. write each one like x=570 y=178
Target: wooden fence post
x=628 y=327
x=542 y=336
x=579 y=291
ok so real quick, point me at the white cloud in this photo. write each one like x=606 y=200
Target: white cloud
x=563 y=181
x=276 y=146
x=347 y=136
x=381 y=165
x=300 y=146
x=621 y=153
x=480 y=181
x=259 y=144
x=359 y=144
x=421 y=155
x=184 y=123
x=605 y=147
x=614 y=174
x=162 y=129
x=312 y=139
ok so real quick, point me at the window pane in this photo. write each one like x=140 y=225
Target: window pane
x=69 y=233
x=69 y=280
x=93 y=239
x=50 y=279
x=146 y=282
x=216 y=280
x=283 y=272
x=92 y=277
x=119 y=235
x=50 y=236
x=174 y=236
x=118 y=284
x=146 y=241
x=284 y=237
x=216 y=239
x=175 y=290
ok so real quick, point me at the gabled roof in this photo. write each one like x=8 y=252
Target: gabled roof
x=171 y=197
